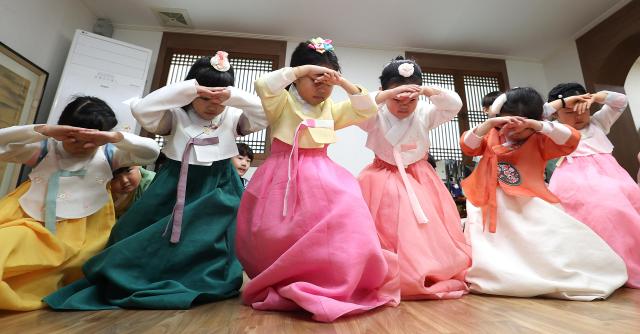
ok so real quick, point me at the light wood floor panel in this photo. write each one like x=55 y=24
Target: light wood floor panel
x=471 y=314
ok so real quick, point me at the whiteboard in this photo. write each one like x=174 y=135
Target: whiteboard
x=106 y=68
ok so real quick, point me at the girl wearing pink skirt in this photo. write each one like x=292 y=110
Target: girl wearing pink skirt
x=589 y=182
x=305 y=236
x=415 y=216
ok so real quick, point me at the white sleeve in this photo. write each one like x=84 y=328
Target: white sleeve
x=559 y=133
x=20 y=144
x=614 y=105
x=445 y=106
x=547 y=111
x=153 y=112
x=253 y=117
x=472 y=140
x=278 y=80
x=134 y=150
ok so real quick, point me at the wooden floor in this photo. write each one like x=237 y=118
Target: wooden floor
x=471 y=314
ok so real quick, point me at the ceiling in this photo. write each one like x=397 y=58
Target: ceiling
x=526 y=29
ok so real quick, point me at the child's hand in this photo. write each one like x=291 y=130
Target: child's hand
x=579 y=103
x=95 y=138
x=599 y=98
x=401 y=92
x=214 y=94
x=59 y=132
x=219 y=94
x=331 y=79
x=429 y=91
x=518 y=124
x=312 y=71
x=498 y=122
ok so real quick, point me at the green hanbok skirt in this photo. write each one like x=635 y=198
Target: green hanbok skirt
x=140 y=268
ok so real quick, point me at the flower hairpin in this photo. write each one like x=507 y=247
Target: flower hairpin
x=221 y=61
x=406 y=69
x=320 y=44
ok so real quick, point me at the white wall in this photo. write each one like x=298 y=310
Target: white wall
x=527 y=74
x=563 y=66
x=632 y=89
x=41 y=31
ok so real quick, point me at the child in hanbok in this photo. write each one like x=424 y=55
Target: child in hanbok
x=414 y=213
x=175 y=246
x=589 y=182
x=523 y=243
x=59 y=218
x=305 y=236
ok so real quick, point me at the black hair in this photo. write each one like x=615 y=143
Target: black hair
x=304 y=55
x=566 y=90
x=245 y=150
x=121 y=170
x=206 y=75
x=391 y=77
x=88 y=112
x=488 y=99
x=523 y=101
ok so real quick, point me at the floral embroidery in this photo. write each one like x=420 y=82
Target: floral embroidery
x=508 y=174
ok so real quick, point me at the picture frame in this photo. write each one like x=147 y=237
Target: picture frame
x=22 y=85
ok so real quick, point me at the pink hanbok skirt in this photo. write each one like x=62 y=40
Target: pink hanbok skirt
x=433 y=257
x=597 y=191
x=323 y=256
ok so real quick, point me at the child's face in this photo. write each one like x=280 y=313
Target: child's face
x=207 y=109
x=401 y=107
x=312 y=92
x=241 y=163
x=127 y=181
x=519 y=135
x=570 y=117
x=79 y=148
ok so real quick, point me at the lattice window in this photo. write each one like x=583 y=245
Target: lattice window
x=444 y=139
x=246 y=72
x=476 y=87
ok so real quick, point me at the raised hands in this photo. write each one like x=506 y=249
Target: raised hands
x=507 y=124
x=580 y=103
x=400 y=93
x=95 y=138
x=323 y=75
x=330 y=78
x=518 y=124
x=87 y=138
x=316 y=73
x=216 y=95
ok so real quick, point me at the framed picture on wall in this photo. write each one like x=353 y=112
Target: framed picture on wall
x=21 y=87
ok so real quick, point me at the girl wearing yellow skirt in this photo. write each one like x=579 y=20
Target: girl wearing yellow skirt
x=52 y=223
